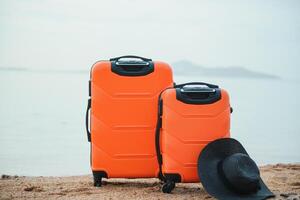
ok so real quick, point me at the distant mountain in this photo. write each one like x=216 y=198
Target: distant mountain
x=23 y=69
x=185 y=68
x=13 y=68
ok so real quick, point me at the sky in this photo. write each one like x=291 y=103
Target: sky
x=53 y=34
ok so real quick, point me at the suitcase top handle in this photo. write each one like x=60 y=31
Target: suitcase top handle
x=203 y=97
x=198 y=93
x=197 y=89
x=130 y=56
x=131 y=65
x=197 y=83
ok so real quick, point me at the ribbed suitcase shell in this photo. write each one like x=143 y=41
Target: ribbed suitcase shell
x=186 y=129
x=123 y=119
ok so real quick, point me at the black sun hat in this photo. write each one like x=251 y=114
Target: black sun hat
x=228 y=173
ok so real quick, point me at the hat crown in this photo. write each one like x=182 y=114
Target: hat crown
x=241 y=173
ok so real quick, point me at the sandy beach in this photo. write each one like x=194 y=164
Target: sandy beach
x=282 y=179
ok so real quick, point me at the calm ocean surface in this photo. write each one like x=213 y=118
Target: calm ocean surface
x=42 y=120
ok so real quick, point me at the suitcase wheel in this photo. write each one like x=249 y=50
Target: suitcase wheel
x=97 y=181
x=168 y=186
x=98 y=175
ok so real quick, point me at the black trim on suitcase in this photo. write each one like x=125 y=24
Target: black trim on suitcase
x=157 y=134
x=174 y=177
x=90 y=88
x=87 y=120
x=157 y=138
x=98 y=175
x=200 y=97
x=138 y=67
x=132 y=69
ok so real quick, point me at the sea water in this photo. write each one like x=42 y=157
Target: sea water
x=42 y=120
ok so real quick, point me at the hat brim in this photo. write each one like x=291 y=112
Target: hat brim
x=213 y=183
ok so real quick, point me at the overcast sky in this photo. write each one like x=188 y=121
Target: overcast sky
x=262 y=35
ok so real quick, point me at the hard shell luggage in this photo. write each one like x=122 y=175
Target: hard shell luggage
x=190 y=116
x=123 y=111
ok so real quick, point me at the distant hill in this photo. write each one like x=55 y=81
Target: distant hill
x=23 y=69
x=186 y=68
x=13 y=68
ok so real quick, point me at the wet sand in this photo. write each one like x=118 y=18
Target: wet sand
x=282 y=179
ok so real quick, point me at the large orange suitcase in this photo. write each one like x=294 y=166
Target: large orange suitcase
x=123 y=110
x=191 y=115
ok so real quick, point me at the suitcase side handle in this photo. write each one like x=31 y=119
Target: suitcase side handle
x=157 y=134
x=157 y=137
x=131 y=56
x=196 y=83
x=87 y=120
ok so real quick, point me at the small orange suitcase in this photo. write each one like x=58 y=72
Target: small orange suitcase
x=123 y=110
x=190 y=116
